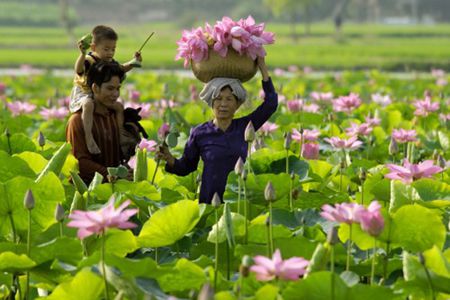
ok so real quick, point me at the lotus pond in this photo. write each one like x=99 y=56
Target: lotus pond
x=345 y=195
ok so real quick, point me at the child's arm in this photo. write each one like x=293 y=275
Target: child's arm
x=128 y=66
x=79 y=64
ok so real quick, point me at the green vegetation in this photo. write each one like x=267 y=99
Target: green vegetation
x=395 y=48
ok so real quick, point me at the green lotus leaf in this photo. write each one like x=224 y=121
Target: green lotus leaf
x=169 y=224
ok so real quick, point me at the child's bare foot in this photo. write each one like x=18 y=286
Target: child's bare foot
x=92 y=145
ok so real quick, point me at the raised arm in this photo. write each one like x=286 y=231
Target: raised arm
x=79 y=64
x=75 y=136
x=263 y=112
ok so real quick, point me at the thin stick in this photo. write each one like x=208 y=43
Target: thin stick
x=151 y=34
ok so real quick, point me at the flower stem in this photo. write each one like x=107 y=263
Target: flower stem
x=433 y=293
x=349 y=248
x=332 y=271
x=103 y=266
x=388 y=246
x=13 y=227
x=228 y=262
x=287 y=161
x=291 y=203
x=374 y=252
x=239 y=195
x=9 y=144
x=246 y=209
x=61 y=232
x=27 y=294
x=271 y=226
x=156 y=169
x=216 y=261
x=362 y=193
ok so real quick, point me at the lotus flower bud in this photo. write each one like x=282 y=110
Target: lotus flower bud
x=393 y=147
x=59 y=213
x=7 y=133
x=244 y=269
x=287 y=140
x=215 y=202
x=332 y=237
x=206 y=293
x=244 y=175
x=269 y=192
x=249 y=133
x=441 y=161
x=28 y=201
x=362 y=174
x=41 y=139
x=239 y=166
x=292 y=175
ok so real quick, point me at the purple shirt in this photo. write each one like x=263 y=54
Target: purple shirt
x=220 y=150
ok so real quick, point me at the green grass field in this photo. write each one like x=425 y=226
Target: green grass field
x=394 y=48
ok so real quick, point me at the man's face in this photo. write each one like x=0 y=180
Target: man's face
x=108 y=92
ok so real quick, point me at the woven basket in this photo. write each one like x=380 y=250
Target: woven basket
x=233 y=65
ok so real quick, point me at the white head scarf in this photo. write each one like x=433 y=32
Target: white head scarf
x=212 y=89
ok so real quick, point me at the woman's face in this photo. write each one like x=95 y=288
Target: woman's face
x=225 y=105
x=108 y=92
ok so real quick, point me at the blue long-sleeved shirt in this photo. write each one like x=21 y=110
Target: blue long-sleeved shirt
x=220 y=150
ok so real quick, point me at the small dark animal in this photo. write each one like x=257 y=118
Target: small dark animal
x=130 y=136
x=131 y=115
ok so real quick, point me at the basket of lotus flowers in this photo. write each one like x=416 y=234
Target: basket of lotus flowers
x=227 y=49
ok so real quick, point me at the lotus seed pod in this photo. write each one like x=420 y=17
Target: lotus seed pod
x=215 y=202
x=249 y=133
x=59 y=212
x=269 y=192
x=28 y=201
x=441 y=161
x=41 y=139
x=7 y=133
x=244 y=269
x=362 y=174
x=239 y=166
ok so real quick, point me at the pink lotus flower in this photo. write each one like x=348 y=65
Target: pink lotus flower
x=96 y=222
x=268 y=127
x=383 y=100
x=371 y=219
x=293 y=68
x=373 y=121
x=64 y=101
x=132 y=162
x=278 y=72
x=437 y=73
x=192 y=45
x=310 y=151
x=350 y=144
x=150 y=145
x=54 y=113
x=363 y=129
x=342 y=212
x=312 y=108
x=346 y=103
x=410 y=172
x=295 y=105
x=163 y=131
x=444 y=117
x=2 y=88
x=268 y=269
x=403 y=136
x=308 y=135
x=424 y=107
x=321 y=97
x=134 y=95
x=146 y=108
x=441 y=82
x=244 y=36
x=18 y=107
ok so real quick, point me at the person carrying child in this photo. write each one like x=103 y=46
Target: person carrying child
x=103 y=48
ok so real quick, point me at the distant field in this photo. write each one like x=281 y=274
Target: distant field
x=395 y=48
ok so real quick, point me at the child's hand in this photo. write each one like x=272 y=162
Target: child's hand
x=138 y=56
x=81 y=47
